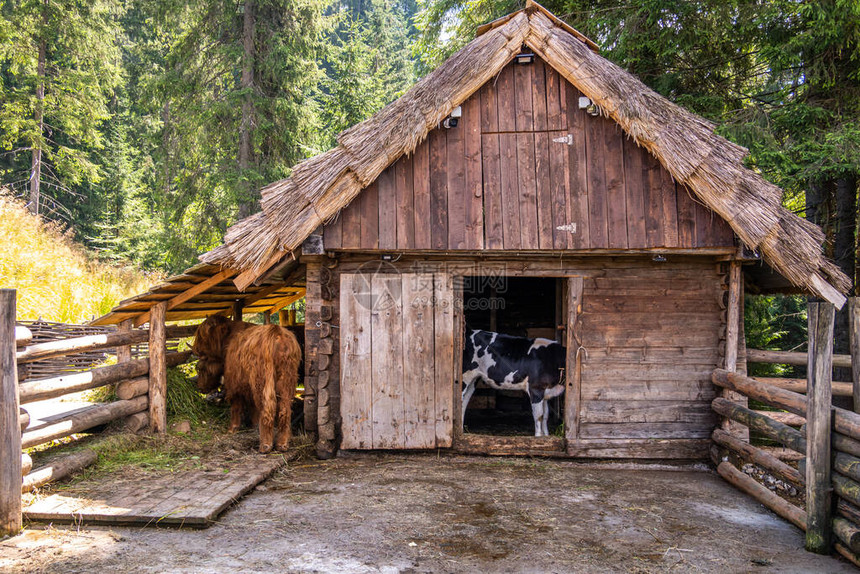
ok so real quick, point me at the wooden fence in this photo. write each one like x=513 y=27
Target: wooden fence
x=141 y=385
x=827 y=444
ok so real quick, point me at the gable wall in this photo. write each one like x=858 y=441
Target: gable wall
x=497 y=181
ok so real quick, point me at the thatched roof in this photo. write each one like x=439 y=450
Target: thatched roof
x=686 y=145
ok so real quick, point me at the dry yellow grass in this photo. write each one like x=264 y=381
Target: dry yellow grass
x=56 y=278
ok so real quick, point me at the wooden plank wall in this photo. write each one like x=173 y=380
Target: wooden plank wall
x=396 y=355
x=499 y=181
x=651 y=336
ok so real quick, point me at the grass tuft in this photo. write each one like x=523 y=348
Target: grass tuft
x=56 y=278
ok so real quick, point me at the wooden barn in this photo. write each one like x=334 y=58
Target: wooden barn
x=531 y=187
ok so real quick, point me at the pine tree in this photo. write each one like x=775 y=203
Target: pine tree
x=60 y=68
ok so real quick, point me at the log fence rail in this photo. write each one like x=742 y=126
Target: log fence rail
x=826 y=444
x=74 y=364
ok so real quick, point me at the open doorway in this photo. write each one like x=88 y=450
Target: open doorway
x=527 y=307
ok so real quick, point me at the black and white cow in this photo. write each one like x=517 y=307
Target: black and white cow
x=535 y=366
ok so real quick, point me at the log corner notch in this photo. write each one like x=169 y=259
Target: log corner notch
x=11 y=520
x=819 y=510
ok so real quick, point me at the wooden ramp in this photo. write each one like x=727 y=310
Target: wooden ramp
x=192 y=498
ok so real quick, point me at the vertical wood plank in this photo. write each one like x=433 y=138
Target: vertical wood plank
x=554 y=85
x=670 y=210
x=539 y=95
x=421 y=189
x=351 y=229
x=370 y=216
x=158 y=368
x=474 y=200
x=546 y=225
x=653 y=201
x=419 y=378
x=527 y=190
x=489 y=108
x=438 y=190
x=597 y=210
x=854 y=342
x=506 y=100
x=387 y=362
x=563 y=214
x=523 y=74
x=633 y=183
x=459 y=325
x=332 y=232
x=705 y=228
x=616 y=196
x=10 y=432
x=577 y=204
x=564 y=91
x=443 y=328
x=237 y=310
x=724 y=234
x=510 y=190
x=405 y=209
x=573 y=370
x=387 y=209
x=491 y=167
x=356 y=363
x=456 y=170
x=686 y=217
x=818 y=422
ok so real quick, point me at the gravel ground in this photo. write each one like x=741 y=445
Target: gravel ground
x=425 y=513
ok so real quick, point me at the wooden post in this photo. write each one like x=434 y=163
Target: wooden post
x=818 y=425
x=854 y=338
x=291 y=314
x=267 y=317
x=123 y=353
x=734 y=326
x=237 y=310
x=158 y=369
x=283 y=318
x=10 y=430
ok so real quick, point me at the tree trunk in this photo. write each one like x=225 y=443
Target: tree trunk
x=844 y=245
x=247 y=204
x=36 y=166
x=165 y=143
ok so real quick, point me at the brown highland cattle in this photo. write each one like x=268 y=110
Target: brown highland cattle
x=260 y=366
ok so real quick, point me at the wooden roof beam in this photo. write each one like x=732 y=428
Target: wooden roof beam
x=188 y=294
x=286 y=301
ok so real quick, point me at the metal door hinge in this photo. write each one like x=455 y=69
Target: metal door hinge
x=568 y=139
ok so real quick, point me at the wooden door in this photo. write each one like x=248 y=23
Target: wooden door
x=573 y=374
x=397 y=357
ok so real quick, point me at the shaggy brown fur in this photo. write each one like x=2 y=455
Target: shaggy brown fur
x=260 y=366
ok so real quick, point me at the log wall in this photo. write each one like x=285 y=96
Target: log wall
x=498 y=181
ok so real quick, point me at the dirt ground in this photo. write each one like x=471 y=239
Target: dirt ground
x=421 y=513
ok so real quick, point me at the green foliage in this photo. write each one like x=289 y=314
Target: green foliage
x=775 y=323
x=80 y=74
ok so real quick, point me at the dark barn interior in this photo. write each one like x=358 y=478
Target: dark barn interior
x=519 y=306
